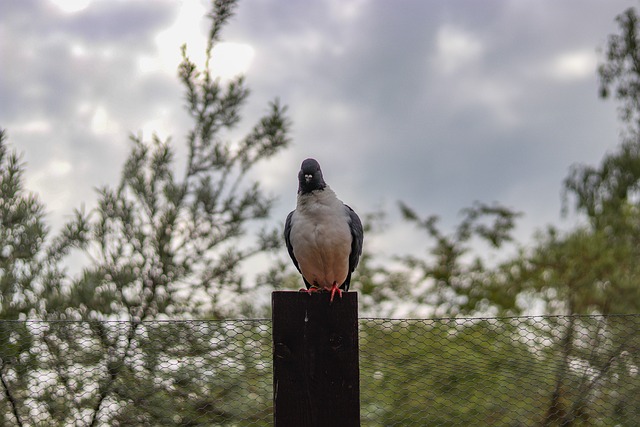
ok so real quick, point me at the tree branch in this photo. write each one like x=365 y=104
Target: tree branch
x=7 y=392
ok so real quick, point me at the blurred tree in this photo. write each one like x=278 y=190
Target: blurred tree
x=438 y=369
x=453 y=279
x=458 y=285
x=620 y=73
x=30 y=275
x=22 y=235
x=168 y=247
x=593 y=268
x=496 y=371
x=30 y=269
x=160 y=246
x=22 y=238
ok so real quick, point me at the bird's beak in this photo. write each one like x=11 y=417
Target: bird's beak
x=308 y=178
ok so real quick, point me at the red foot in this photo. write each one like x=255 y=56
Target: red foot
x=335 y=289
x=310 y=290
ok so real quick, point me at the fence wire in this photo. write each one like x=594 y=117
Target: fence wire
x=525 y=371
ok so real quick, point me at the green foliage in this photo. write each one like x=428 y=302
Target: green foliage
x=578 y=272
x=182 y=373
x=459 y=283
x=605 y=193
x=594 y=268
x=591 y=269
x=163 y=245
x=22 y=236
x=30 y=275
x=620 y=73
x=498 y=372
x=450 y=279
x=29 y=263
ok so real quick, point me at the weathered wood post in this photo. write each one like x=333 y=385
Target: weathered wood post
x=315 y=360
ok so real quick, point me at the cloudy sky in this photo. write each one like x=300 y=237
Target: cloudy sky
x=436 y=103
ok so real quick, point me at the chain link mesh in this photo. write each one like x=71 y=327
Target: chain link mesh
x=525 y=371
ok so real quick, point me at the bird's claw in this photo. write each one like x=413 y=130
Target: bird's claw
x=311 y=290
x=335 y=289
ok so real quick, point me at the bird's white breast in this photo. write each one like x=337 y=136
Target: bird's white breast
x=321 y=238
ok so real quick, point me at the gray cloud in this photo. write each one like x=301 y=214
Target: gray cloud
x=435 y=103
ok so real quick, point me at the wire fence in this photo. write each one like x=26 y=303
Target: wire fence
x=524 y=371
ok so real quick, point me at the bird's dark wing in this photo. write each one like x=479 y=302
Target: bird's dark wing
x=357 y=238
x=287 y=239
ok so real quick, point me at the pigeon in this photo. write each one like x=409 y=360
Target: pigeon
x=323 y=235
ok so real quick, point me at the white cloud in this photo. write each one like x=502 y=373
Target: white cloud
x=58 y=167
x=576 y=65
x=163 y=124
x=71 y=6
x=231 y=59
x=102 y=123
x=347 y=9
x=78 y=50
x=456 y=48
x=187 y=28
x=228 y=59
x=38 y=126
x=52 y=183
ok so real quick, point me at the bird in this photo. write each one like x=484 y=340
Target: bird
x=323 y=235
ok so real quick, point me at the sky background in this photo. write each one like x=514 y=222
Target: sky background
x=435 y=103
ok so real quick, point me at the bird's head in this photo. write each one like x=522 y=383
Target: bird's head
x=310 y=177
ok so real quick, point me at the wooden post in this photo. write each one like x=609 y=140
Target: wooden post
x=315 y=360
